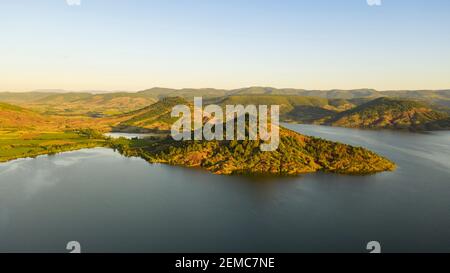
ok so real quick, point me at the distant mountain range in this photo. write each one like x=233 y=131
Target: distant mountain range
x=158 y=92
x=361 y=108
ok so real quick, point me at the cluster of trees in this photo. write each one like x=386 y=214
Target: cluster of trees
x=90 y=133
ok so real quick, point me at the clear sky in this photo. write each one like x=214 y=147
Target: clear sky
x=137 y=44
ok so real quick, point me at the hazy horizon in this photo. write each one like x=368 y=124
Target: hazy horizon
x=59 y=90
x=314 y=45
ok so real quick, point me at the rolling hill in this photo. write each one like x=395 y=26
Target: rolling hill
x=388 y=113
x=79 y=103
x=95 y=105
x=382 y=113
x=153 y=118
x=113 y=103
x=295 y=108
x=186 y=93
x=16 y=117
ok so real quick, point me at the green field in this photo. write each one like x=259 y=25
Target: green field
x=19 y=144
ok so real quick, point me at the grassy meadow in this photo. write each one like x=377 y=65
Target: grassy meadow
x=22 y=144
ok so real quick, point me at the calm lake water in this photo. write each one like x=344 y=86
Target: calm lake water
x=110 y=203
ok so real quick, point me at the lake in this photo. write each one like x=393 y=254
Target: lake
x=131 y=135
x=110 y=203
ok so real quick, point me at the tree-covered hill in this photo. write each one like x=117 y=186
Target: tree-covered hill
x=295 y=155
x=388 y=113
x=155 y=117
x=294 y=108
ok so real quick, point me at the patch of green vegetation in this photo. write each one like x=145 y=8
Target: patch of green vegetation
x=384 y=104
x=308 y=114
x=155 y=117
x=10 y=107
x=286 y=103
x=14 y=145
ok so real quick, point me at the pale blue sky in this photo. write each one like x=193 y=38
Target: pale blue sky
x=137 y=44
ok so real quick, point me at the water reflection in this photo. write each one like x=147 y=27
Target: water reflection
x=116 y=204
